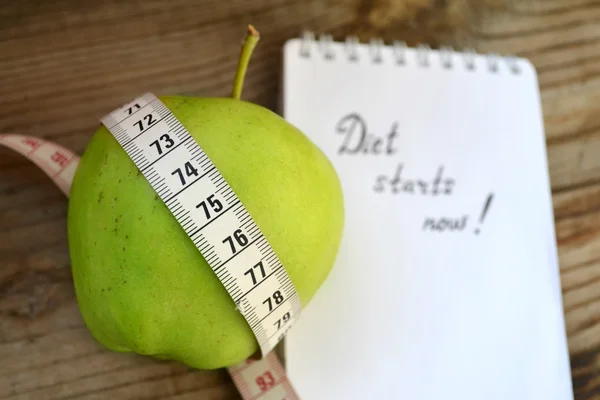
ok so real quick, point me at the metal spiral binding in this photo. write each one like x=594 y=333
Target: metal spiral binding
x=325 y=42
x=351 y=48
x=469 y=57
x=399 y=52
x=492 y=60
x=446 y=56
x=423 y=52
x=375 y=48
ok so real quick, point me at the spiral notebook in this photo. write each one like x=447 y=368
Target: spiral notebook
x=447 y=283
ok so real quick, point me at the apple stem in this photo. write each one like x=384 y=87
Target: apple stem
x=247 y=49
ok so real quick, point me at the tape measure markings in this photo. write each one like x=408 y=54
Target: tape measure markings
x=211 y=214
x=56 y=161
x=132 y=108
x=264 y=379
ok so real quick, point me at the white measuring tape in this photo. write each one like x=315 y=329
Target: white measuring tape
x=214 y=218
x=211 y=214
x=56 y=161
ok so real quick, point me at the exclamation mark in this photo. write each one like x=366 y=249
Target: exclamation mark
x=486 y=207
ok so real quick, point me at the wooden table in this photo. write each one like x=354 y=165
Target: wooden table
x=65 y=63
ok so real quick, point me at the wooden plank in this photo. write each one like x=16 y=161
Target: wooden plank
x=548 y=7
x=575 y=162
x=572 y=109
x=563 y=42
x=576 y=202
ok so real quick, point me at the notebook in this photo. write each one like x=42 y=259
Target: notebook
x=446 y=285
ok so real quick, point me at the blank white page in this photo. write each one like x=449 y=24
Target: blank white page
x=430 y=297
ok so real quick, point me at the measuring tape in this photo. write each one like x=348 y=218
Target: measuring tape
x=265 y=297
x=211 y=214
x=56 y=161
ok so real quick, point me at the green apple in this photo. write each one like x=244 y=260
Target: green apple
x=141 y=284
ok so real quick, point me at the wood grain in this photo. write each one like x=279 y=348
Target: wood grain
x=64 y=64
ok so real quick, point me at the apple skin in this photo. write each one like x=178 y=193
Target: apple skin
x=141 y=284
